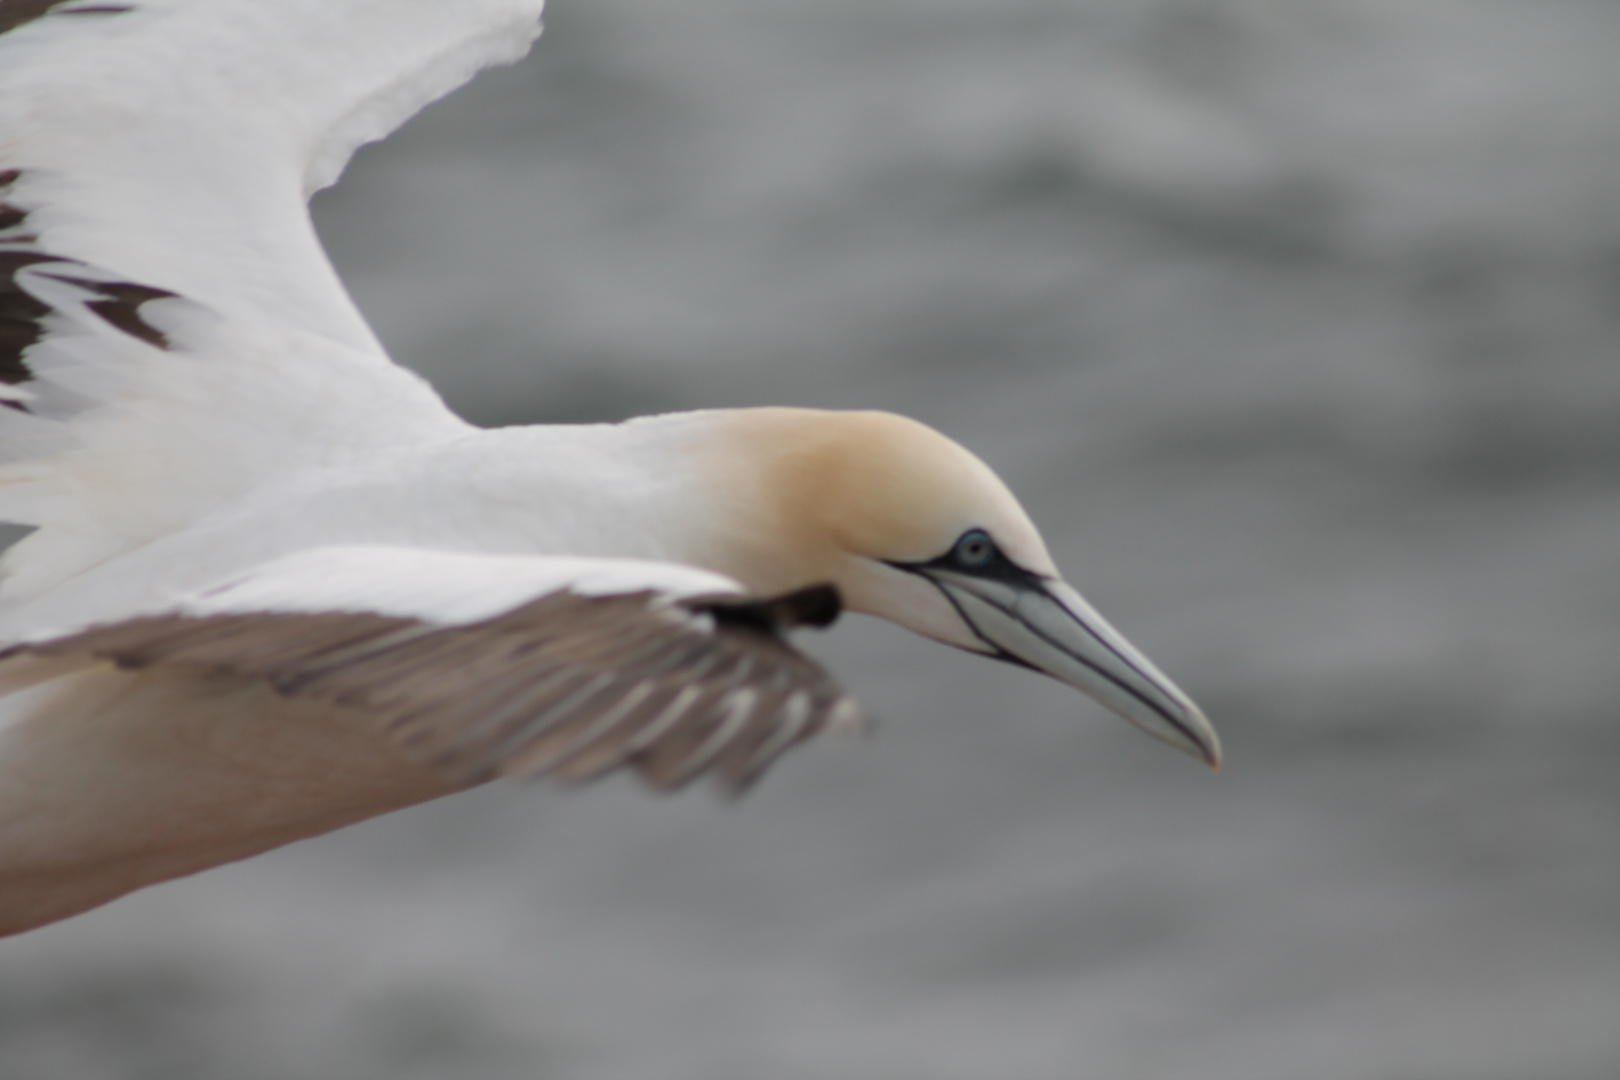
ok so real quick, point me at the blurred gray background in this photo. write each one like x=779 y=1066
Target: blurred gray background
x=1296 y=324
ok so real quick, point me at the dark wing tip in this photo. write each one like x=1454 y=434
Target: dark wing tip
x=23 y=314
x=15 y=13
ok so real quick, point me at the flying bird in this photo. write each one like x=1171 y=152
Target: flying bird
x=274 y=586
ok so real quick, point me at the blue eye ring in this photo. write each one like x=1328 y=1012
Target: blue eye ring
x=974 y=551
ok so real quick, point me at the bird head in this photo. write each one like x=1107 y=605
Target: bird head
x=912 y=527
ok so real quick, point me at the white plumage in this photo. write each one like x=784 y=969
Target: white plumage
x=276 y=586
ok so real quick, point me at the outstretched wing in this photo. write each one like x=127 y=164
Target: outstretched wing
x=488 y=665
x=165 y=307
x=175 y=142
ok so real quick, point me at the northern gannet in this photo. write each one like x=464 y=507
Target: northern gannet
x=275 y=586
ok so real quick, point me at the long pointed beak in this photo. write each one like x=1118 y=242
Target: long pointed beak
x=1048 y=626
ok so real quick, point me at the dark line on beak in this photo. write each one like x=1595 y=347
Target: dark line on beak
x=1002 y=654
x=996 y=651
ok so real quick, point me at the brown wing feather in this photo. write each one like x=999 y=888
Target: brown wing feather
x=566 y=685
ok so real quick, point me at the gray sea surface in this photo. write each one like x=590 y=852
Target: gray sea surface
x=1296 y=325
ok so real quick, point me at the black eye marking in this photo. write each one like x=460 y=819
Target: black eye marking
x=975 y=550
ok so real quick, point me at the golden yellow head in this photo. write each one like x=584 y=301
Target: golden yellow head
x=910 y=526
x=818 y=488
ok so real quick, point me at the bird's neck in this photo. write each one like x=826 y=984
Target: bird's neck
x=702 y=488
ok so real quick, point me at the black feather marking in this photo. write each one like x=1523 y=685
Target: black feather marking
x=15 y=13
x=20 y=315
x=120 y=306
x=817 y=605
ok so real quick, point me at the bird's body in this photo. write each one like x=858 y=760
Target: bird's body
x=276 y=586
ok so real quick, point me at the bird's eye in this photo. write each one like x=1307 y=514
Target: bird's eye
x=974 y=551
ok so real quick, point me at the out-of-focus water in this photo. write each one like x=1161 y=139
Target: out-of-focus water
x=1297 y=326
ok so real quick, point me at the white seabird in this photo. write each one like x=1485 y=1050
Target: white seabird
x=275 y=586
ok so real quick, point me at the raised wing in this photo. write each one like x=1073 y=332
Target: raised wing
x=490 y=666
x=175 y=142
x=166 y=311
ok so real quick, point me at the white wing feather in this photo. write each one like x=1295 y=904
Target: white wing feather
x=445 y=588
x=177 y=142
x=161 y=152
